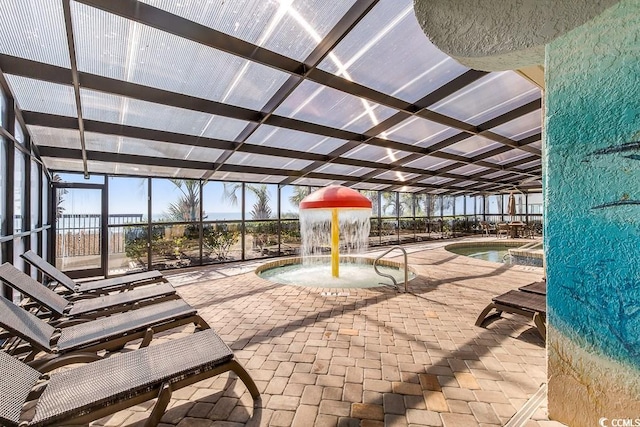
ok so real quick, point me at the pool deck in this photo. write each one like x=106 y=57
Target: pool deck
x=364 y=357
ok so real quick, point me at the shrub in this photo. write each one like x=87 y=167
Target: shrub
x=219 y=238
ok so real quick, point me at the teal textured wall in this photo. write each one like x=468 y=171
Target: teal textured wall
x=592 y=182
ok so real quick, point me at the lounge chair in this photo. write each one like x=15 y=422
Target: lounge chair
x=535 y=287
x=529 y=304
x=81 y=342
x=60 y=307
x=92 y=391
x=97 y=286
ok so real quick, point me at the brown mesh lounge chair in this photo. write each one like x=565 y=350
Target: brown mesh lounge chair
x=529 y=304
x=80 y=342
x=61 y=308
x=536 y=287
x=96 y=286
x=95 y=390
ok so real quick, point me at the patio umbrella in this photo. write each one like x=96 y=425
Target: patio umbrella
x=511 y=206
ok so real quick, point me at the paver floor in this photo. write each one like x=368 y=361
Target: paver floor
x=363 y=357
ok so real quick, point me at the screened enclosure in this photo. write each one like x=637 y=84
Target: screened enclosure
x=162 y=134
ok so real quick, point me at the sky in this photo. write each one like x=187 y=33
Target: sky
x=129 y=196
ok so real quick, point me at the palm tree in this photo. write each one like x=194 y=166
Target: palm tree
x=433 y=204
x=372 y=195
x=261 y=208
x=60 y=192
x=187 y=208
x=299 y=193
x=391 y=201
x=420 y=205
x=406 y=204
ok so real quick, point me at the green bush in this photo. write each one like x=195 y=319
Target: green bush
x=135 y=243
x=219 y=239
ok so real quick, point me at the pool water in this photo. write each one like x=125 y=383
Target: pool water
x=495 y=253
x=319 y=275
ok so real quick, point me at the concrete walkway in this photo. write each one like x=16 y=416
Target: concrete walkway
x=364 y=357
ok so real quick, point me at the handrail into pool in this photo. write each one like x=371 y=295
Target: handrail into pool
x=406 y=267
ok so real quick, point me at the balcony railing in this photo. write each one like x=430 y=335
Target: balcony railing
x=79 y=234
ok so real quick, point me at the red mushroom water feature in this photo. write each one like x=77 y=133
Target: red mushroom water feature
x=335 y=199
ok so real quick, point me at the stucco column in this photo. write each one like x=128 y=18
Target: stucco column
x=496 y=35
x=592 y=219
x=591 y=172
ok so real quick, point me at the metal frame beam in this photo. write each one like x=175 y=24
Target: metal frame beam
x=62 y=122
x=298 y=71
x=75 y=79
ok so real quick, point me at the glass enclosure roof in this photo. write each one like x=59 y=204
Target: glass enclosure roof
x=44 y=97
x=104 y=107
x=419 y=131
x=276 y=137
x=319 y=104
x=289 y=92
x=273 y=24
x=389 y=31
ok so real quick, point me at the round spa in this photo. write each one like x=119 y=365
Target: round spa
x=504 y=252
x=355 y=272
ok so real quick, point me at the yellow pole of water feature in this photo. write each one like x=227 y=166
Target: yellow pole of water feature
x=335 y=243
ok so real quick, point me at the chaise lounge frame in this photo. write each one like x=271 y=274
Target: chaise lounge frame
x=92 y=391
x=96 y=286
x=60 y=308
x=81 y=342
x=528 y=304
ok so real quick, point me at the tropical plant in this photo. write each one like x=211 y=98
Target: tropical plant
x=401 y=207
x=290 y=232
x=261 y=208
x=406 y=204
x=220 y=238
x=265 y=234
x=135 y=243
x=372 y=195
x=59 y=195
x=187 y=208
x=433 y=204
x=299 y=193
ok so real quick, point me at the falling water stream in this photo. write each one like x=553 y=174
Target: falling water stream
x=315 y=268
x=315 y=227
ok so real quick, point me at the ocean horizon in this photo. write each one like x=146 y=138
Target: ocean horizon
x=92 y=221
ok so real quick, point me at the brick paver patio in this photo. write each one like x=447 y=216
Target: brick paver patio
x=363 y=357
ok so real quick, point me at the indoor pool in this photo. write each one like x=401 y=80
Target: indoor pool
x=521 y=253
x=494 y=253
